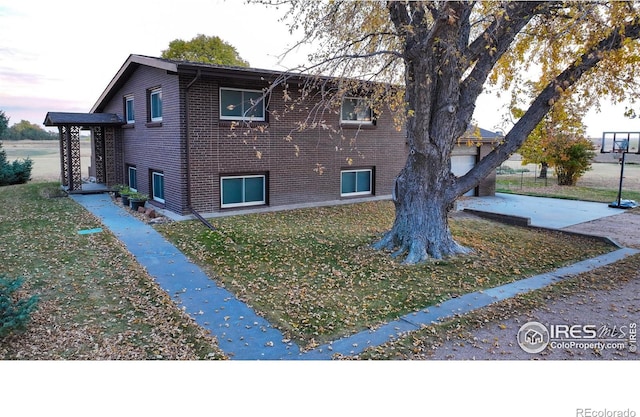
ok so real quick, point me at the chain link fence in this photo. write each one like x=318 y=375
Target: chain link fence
x=513 y=175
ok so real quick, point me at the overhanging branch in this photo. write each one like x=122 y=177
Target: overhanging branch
x=543 y=103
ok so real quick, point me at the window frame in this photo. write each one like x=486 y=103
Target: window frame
x=356 y=171
x=129 y=112
x=357 y=121
x=243 y=118
x=244 y=203
x=132 y=168
x=153 y=92
x=153 y=187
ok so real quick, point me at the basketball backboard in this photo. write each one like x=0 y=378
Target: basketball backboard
x=618 y=142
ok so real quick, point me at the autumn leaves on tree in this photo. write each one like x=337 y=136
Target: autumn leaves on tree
x=444 y=54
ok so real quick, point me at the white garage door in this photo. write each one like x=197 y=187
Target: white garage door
x=460 y=165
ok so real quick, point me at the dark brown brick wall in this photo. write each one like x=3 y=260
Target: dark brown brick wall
x=292 y=166
x=487 y=186
x=191 y=118
x=149 y=146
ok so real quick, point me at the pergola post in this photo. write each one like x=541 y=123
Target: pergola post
x=64 y=174
x=99 y=154
x=72 y=167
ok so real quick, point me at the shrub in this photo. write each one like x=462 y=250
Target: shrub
x=14 y=312
x=16 y=172
x=570 y=156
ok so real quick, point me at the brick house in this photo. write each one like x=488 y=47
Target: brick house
x=178 y=131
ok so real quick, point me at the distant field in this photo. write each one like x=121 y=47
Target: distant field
x=600 y=176
x=46 y=156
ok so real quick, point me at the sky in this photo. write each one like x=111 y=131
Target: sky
x=60 y=55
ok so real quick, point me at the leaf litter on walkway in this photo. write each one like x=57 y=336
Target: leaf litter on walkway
x=313 y=274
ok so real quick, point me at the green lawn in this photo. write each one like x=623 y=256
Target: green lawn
x=538 y=187
x=313 y=274
x=96 y=302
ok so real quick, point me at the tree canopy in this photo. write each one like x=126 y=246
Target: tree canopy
x=23 y=130
x=4 y=123
x=206 y=49
x=445 y=54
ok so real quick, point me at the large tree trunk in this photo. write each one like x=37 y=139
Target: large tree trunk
x=421 y=228
x=426 y=189
x=543 y=170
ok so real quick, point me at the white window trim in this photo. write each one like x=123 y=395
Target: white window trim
x=370 y=192
x=129 y=177
x=153 y=184
x=355 y=122
x=243 y=118
x=128 y=99
x=152 y=92
x=244 y=204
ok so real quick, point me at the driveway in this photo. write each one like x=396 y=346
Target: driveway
x=553 y=213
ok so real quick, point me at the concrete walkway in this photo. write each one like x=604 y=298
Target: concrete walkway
x=242 y=334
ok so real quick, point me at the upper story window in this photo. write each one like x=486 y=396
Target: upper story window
x=356 y=110
x=236 y=104
x=128 y=110
x=155 y=105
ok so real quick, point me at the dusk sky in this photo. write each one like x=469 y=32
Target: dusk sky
x=60 y=55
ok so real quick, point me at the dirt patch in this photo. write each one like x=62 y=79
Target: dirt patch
x=616 y=308
x=623 y=228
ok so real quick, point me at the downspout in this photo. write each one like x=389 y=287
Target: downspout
x=188 y=151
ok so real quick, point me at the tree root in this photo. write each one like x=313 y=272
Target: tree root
x=419 y=250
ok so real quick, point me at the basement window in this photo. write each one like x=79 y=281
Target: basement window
x=240 y=191
x=157 y=186
x=356 y=182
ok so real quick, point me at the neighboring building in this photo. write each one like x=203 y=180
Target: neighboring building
x=174 y=130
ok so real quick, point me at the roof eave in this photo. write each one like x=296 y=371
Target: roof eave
x=132 y=62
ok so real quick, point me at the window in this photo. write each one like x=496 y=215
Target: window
x=157 y=186
x=356 y=182
x=241 y=105
x=128 y=110
x=242 y=191
x=356 y=110
x=155 y=105
x=132 y=173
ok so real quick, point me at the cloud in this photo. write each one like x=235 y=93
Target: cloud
x=11 y=76
x=34 y=109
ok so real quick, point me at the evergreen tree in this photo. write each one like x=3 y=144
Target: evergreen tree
x=14 y=312
x=16 y=172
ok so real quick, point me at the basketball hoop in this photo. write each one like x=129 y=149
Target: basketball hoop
x=619 y=144
x=617 y=153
